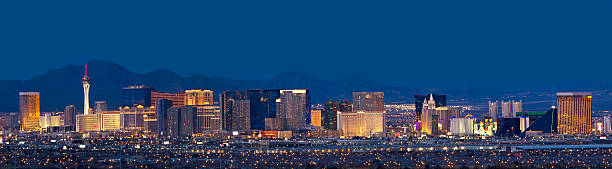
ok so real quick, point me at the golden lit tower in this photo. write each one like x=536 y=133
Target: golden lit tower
x=574 y=113
x=29 y=110
x=86 y=81
x=369 y=101
x=199 y=97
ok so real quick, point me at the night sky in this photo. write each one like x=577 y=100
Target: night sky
x=402 y=42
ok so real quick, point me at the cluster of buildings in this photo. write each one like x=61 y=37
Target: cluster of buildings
x=287 y=112
x=196 y=113
x=571 y=116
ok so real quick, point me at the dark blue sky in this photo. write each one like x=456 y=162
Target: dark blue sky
x=397 y=42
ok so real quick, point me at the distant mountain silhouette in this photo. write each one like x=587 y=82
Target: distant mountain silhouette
x=61 y=87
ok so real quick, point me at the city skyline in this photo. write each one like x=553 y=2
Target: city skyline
x=476 y=84
x=57 y=94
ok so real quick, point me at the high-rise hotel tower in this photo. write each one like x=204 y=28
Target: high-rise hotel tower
x=574 y=113
x=29 y=110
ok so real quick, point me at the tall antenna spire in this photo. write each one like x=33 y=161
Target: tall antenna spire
x=85 y=69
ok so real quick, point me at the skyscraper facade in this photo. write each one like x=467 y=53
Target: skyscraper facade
x=87 y=123
x=162 y=115
x=199 y=97
x=506 y=109
x=369 y=101
x=315 y=117
x=493 y=110
x=235 y=109
x=263 y=104
x=70 y=113
x=330 y=113
x=100 y=106
x=207 y=119
x=362 y=124
x=180 y=121
x=294 y=111
x=139 y=118
x=178 y=98
x=517 y=106
x=607 y=122
x=29 y=110
x=574 y=113
x=136 y=95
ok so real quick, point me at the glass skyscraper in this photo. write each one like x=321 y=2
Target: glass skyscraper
x=330 y=113
x=266 y=106
x=235 y=108
x=263 y=105
x=162 y=115
x=136 y=95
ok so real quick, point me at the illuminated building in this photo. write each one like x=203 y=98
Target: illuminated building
x=599 y=128
x=524 y=123
x=440 y=101
x=162 y=115
x=110 y=120
x=271 y=112
x=462 y=126
x=487 y=127
x=207 y=118
x=139 y=118
x=235 y=109
x=506 y=109
x=276 y=134
x=101 y=121
x=29 y=110
x=369 y=101
x=517 y=107
x=574 y=112
x=199 y=97
x=86 y=80
x=263 y=104
x=315 y=116
x=100 y=106
x=87 y=123
x=362 y=124
x=607 y=124
x=445 y=115
x=180 y=121
x=294 y=109
x=429 y=117
x=493 y=110
x=136 y=95
x=70 y=113
x=50 y=120
x=178 y=98
x=330 y=113
x=9 y=121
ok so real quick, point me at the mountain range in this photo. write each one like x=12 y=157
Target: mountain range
x=61 y=87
